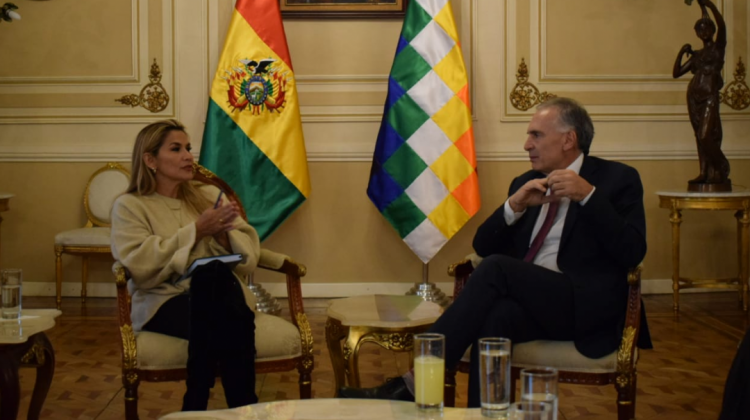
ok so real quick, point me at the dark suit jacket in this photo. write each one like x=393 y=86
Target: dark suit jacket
x=600 y=242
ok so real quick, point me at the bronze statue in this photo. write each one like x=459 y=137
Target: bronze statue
x=704 y=100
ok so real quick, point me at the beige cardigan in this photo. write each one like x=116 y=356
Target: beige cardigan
x=154 y=237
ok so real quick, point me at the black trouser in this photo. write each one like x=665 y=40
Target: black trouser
x=505 y=297
x=220 y=329
x=736 y=404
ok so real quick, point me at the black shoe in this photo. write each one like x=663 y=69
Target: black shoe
x=392 y=389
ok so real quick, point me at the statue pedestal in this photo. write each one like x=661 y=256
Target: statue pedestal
x=705 y=187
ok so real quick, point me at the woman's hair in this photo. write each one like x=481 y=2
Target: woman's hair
x=143 y=182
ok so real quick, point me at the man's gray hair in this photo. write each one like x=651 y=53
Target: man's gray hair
x=574 y=117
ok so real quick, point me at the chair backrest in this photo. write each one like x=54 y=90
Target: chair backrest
x=204 y=175
x=104 y=186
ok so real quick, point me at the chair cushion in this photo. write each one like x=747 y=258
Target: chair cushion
x=275 y=338
x=93 y=236
x=561 y=355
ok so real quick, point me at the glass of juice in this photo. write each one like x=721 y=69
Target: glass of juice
x=429 y=370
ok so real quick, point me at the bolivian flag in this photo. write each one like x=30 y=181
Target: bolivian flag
x=253 y=136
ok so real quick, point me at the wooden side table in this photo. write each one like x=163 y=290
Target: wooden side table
x=24 y=344
x=4 y=206
x=739 y=201
x=389 y=321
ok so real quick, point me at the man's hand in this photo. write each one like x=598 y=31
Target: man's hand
x=568 y=184
x=533 y=193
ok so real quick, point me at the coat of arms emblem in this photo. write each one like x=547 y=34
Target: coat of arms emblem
x=257 y=86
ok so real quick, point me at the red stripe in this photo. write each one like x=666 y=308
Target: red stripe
x=265 y=18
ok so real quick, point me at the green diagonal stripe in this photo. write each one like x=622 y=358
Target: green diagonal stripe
x=237 y=160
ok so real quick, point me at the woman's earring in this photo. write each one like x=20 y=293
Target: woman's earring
x=153 y=170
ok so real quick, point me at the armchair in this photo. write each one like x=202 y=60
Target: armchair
x=281 y=345
x=101 y=191
x=618 y=368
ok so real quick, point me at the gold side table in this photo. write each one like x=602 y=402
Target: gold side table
x=389 y=321
x=739 y=201
x=4 y=206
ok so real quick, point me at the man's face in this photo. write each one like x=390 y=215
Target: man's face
x=547 y=141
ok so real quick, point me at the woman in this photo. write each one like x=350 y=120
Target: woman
x=703 y=94
x=159 y=227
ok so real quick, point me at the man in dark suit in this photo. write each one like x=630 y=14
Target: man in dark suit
x=556 y=254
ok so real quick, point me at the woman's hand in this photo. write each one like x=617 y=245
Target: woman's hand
x=213 y=222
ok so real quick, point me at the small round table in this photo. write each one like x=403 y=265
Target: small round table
x=739 y=202
x=330 y=409
x=23 y=343
x=389 y=321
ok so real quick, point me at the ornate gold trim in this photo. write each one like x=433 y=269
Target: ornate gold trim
x=34 y=356
x=625 y=358
x=737 y=94
x=202 y=169
x=525 y=95
x=153 y=96
x=129 y=353
x=306 y=337
x=93 y=221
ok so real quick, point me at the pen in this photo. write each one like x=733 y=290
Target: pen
x=221 y=192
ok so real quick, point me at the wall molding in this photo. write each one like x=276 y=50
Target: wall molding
x=367 y=156
x=319 y=290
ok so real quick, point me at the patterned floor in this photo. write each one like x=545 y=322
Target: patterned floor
x=681 y=379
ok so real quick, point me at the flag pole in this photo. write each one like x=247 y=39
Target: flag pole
x=429 y=291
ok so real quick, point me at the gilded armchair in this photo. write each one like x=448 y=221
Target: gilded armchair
x=618 y=368
x=281 y=345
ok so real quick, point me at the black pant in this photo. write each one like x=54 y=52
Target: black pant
x=220 y=329
x=736 y=403
x=506 y=297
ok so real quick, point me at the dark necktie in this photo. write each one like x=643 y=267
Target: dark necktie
x=536 y=245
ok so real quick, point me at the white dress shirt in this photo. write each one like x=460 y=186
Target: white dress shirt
x=547 y=255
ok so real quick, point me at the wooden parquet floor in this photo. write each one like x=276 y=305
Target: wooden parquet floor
x=681 y=379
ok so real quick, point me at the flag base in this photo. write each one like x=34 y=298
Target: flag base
x=264 y=301
x=430 y=293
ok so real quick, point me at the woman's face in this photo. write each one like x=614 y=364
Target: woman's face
x=173 y=162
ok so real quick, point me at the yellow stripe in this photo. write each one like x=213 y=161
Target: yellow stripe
x=278 y=135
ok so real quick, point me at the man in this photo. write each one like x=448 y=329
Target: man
x=556 y=254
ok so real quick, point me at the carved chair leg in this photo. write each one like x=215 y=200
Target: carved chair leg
x=626 y=399
x=449 y=394
x=305 y=368
x=84 y=277
x=58 y=274
x=131 y=398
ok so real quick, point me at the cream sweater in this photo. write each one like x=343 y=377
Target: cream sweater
x=154 y=237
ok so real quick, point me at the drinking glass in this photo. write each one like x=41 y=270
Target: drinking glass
x=10 y=288
x=494 y=376
x=530 y=410
x=540 y=384
x=429 y=370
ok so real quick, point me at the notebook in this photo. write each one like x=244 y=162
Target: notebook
x=230 y=259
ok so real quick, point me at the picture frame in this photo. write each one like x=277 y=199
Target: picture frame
x=326 y=9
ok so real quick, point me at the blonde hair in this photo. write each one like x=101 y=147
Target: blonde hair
x=143 y=182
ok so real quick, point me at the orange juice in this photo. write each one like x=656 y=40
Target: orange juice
x=429 y=379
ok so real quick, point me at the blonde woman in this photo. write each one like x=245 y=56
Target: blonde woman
x=161 y=225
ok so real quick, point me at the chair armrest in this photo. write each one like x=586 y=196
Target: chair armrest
x=127 y=336
x=461 y=271
x=626 y=358
x=294 y=271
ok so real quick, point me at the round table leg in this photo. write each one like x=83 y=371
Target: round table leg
x=45 y=361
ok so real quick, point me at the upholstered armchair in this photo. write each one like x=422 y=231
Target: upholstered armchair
x=618 y=368
x=281 y=345
x=101 y=191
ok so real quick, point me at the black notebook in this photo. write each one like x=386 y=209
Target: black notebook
x=231 y=260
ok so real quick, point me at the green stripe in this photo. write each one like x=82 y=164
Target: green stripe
x=267 y=195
